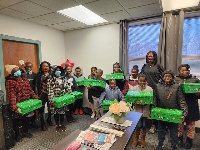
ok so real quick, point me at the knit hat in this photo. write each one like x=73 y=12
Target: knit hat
x=9 y=68
x=168 y=72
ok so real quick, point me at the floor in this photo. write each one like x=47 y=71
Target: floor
x=44 y=140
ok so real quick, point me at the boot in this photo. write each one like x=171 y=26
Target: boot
x=136 y=137
x=180 y=141
x=143 y=143
x=189 y=143
x=49 y=119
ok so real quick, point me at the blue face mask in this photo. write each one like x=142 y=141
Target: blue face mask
x=18 y=73
x=57 y=73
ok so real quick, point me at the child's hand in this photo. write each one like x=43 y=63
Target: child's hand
x=183 y=118
x=198 y=93
x=88 y=87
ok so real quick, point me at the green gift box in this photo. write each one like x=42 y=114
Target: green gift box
x=80 y=82
x=115 y=76
x=64 y=100
x=107 y=103
x=88 y=82
x=168 y=115
x=29 y=105
x=190 y=87
x=144 y=97
x=78 y=95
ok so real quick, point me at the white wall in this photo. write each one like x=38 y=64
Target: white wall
x=97 y=46
x=52 y=41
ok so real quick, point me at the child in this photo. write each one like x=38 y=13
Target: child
x=119 y=82
x=193 y=107
x=169 y=95
x=92 y=76
x=111 y=93
x=72 y=85
x=79 y=102
x=141 y=126
x=132 y=80
x=57 y=86
x=96 y=92
x=31 y=76
x=18 y=90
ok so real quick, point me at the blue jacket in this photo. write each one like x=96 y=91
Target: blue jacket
x=111 y=94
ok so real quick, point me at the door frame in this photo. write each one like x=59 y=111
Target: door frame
x=16 y=39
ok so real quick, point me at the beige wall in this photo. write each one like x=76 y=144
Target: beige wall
x=97 y=46
x=52 y=41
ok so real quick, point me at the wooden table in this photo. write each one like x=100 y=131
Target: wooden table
x=120 y=143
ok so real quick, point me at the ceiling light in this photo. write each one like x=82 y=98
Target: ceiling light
x=82 y=14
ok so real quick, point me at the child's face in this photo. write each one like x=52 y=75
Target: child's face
x=45 y=67
x=150 y=58
x=98 y=74
x=134 y=73
x=112 y=84
x=184 y=72
x=167 y=78
x=28 y=67
x=116 y=68
x=68 y=70
x=142 y=81
x=78 y=71
x=57 y=69
x=93 y=71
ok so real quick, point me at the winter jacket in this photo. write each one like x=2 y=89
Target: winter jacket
x=18 y=90
x=170 y=96
x=191 y=98
x=80 y=77
x=145 y=109
x=129 y=83
x=153 y=74
x=111 y=94
x=71 y=83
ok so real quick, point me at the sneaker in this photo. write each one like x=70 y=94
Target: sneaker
x=93 y=115
x=63 y=128
x=81 y=112
x=28 y=135
x=76 y=112
x=58 y=129
x=153 y=129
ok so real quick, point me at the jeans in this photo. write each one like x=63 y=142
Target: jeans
x=173 y=128
x=141 y=124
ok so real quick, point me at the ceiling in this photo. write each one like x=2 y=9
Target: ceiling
x=43 y=12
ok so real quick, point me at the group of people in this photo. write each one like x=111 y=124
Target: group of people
x=23 y=84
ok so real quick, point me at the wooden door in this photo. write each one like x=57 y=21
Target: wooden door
x=14 y=51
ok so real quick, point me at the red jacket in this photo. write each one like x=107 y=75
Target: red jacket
x=18 y=90
x=126 y=86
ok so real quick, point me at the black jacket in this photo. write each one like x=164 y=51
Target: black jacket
x=170 y=96
x=72 y=83
x=191 y=98
x=97 y=90
x=153 y=74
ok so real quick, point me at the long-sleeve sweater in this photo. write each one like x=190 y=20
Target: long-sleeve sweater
x=111 y=94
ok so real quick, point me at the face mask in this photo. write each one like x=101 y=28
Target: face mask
x=17 y=74
x=57 y=73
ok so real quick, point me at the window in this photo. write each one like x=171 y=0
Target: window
x=141 y=40
x=191 y=44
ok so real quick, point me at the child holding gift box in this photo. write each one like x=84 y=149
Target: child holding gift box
x=18 y=90
x=72 y=85
x=92 y=76
x=141 y=126
x=169 y=95
x=79 y=102
x=193 y=107
x=119 y=82
x=132 y=80
x=96 y=92
x=112 y=92
x=57 y=86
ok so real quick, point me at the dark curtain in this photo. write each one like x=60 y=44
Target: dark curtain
x=171 y=40
x=123 y=51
